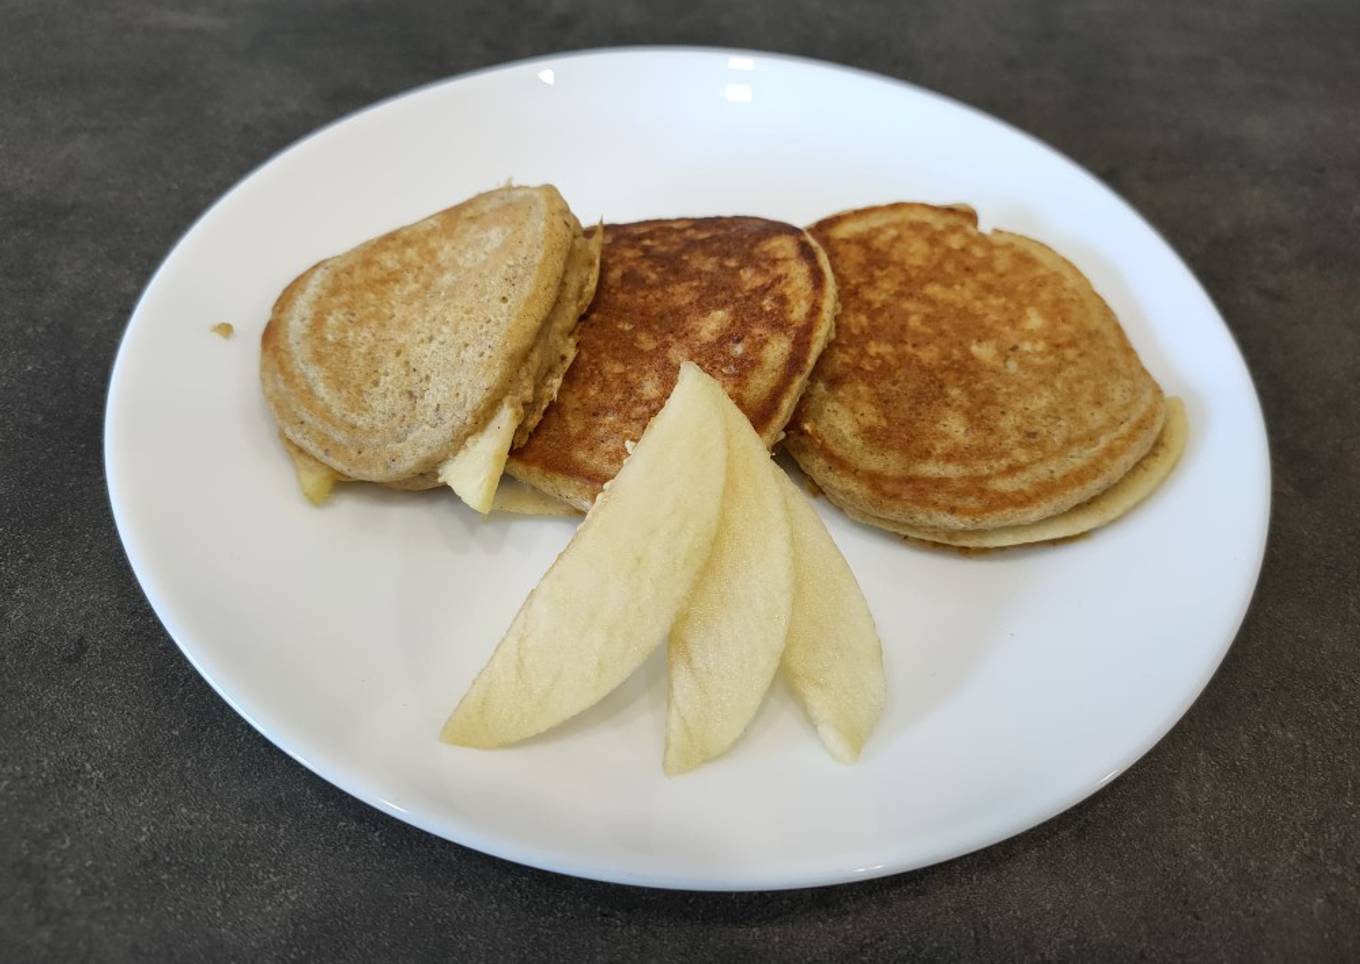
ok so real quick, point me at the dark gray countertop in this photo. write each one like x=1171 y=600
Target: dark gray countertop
x=141 y=819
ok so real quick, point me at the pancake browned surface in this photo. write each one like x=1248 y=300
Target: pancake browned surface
x=975 y=381
x=382 y=361
x=751 y=301
x=1136 y=485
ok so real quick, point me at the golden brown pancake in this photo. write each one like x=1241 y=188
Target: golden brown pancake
x=751 y=301
x=975 y=381
x=382 y=361
x=1136 y=485
x=532 y=388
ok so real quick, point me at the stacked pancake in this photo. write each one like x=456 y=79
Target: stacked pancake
x=751 y=301
x=978 y=392
x=419 y=357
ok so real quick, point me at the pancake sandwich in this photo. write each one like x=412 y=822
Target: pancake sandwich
x=751 y=301
x=416 y=357
x=979 y=392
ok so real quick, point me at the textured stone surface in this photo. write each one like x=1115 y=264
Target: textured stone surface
x=141 y=819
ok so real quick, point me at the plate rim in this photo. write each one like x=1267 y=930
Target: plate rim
x=499 y=846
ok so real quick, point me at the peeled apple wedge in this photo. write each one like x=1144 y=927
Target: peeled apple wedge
x=725 y=648
x=610 y=597
x=517 y=498
x=833 y=659
x=476 y=470
x=315 y=478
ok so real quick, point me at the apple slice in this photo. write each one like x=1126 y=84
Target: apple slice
x=315 y=477
x=517 y=498
x=475 y=470
x=609 y=598
x=833 y=659
x=725 y=648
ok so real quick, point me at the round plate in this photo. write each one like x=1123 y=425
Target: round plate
x=1019 y=682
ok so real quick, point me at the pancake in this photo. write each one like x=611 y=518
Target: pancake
x=382 y=361
x=556 y=349
x=751 y=301
x=533 y=387
x=976 y=380
x=1136 y=485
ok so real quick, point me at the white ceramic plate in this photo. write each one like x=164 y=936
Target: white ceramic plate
x=1019 y=682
